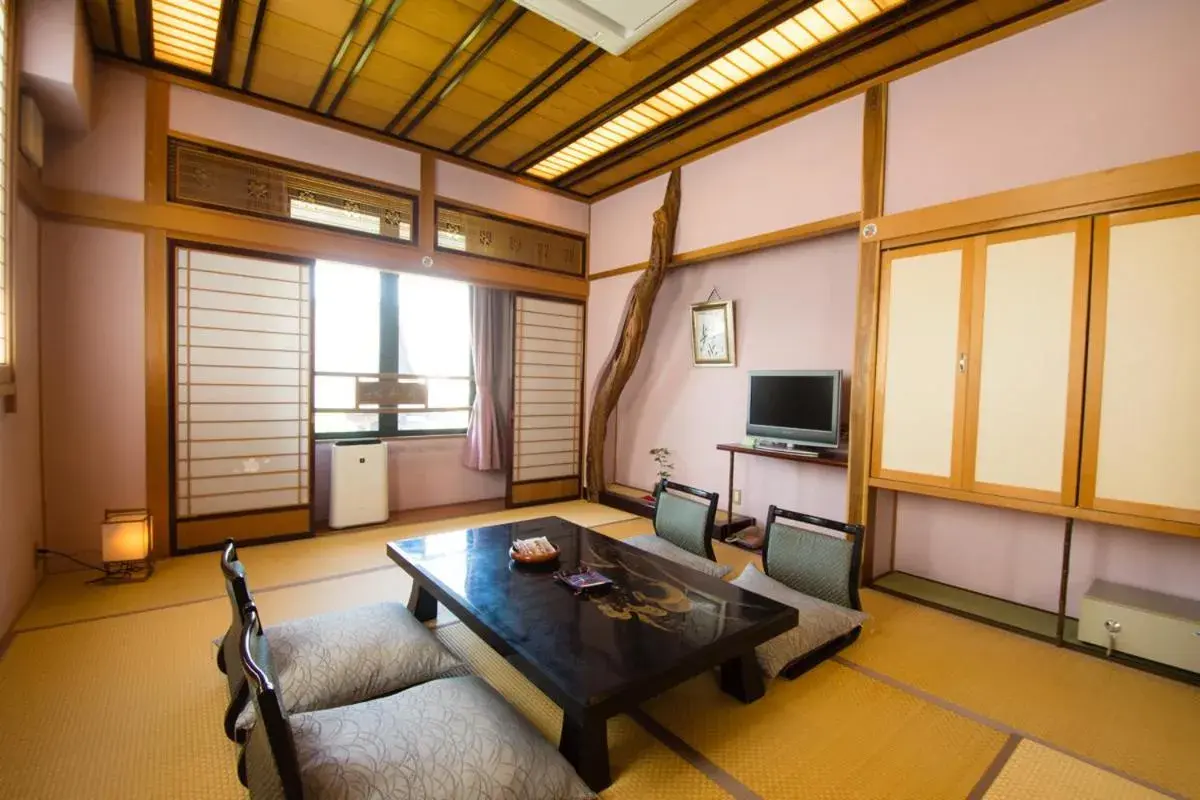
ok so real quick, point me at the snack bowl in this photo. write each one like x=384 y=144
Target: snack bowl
x=544 y=558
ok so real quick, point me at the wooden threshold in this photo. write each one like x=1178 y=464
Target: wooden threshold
x=411 y=516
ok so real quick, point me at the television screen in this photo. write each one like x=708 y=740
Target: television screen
x=798 y=406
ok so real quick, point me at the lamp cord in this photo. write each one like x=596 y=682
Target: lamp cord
x=42 y=551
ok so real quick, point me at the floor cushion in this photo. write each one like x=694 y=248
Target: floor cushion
x=655 y=544
x=820 y=621
x=449 y=739
x=349 y=656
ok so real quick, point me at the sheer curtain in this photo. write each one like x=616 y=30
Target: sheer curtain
x=488 y=433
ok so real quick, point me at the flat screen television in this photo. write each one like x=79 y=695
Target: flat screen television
x=796 y=407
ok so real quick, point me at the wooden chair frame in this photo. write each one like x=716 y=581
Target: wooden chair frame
x=271 y=714
x=710 y=520
x=239 y=599
x=856 y=534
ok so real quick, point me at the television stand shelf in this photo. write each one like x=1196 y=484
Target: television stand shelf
x=827 y=458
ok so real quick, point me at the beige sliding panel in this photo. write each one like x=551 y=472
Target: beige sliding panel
x=241 y=407
x=1026 y=362
x=1141 y=436
x=547 y=401
x=920 y=388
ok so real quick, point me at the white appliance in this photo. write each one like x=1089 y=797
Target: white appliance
x=1141 y=622
x=358 y=484
x=615 y=25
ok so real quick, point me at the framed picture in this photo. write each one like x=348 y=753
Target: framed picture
x=713 y=334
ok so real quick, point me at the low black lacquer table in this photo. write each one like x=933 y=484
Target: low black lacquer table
x=595 y=655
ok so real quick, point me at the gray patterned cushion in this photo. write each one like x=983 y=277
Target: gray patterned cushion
x=349 y=656
x=813 y=563
x=656 y=545
x=820 y=622
x=681 y=522
x=450 y=739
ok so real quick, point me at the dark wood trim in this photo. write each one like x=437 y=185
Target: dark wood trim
x=581 y=238
x=114 y=22
x=252 y=53
x=1036 y=15
x=461 y=45
x=462 y=71
x=226 y=34
x=145 y=29
x=748 y=27
x=368 y=48
x=858 y=40
x=545 y=74
x=338 y=54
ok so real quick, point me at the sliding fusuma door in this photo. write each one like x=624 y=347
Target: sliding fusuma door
x=242 y=455
x=547 y=401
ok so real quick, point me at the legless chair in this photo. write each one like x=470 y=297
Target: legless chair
x=683 y=528
x=332 y=659
x=449 y=738
x=816 y=573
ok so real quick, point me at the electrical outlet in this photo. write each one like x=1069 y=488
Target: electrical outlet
x=737 y=497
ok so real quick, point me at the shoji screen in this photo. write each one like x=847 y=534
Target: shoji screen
x=547 y=400
x=242 y=368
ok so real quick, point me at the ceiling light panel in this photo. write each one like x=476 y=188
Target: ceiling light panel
x=185 y=32
x=819 y=23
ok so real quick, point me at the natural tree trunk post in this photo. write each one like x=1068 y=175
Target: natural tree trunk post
x=631 y=335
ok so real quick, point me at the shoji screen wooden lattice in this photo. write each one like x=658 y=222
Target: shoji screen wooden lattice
x=547 y=400
x=242 y=371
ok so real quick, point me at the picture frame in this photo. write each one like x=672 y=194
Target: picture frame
x=713 y=334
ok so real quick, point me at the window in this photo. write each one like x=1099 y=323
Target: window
x=379 y=332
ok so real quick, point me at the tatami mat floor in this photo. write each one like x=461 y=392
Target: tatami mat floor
x=111 y=693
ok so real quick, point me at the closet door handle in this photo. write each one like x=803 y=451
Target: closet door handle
x=962 y=362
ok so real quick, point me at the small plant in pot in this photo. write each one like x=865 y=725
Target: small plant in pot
x=662 y=458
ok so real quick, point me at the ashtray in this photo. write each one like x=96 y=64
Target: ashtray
x=534 y=558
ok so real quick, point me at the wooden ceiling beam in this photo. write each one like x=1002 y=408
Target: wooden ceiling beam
x=252 y=54
x=145 y=30
x=462 y=71
x=851 y=43
x=563 y=60
x=462 y=44
x=748 y=27
x=114 y=21
x=226 y=33
x=361 y=61
x=340 y=53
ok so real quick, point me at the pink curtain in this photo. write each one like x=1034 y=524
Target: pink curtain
x=490 y=429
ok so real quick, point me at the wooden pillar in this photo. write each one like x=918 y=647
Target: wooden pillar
x=862 y=385
x=426 y=206
x=157 y=326
x=631 y=336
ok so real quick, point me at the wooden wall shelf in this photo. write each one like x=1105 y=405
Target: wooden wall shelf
x=828 y=458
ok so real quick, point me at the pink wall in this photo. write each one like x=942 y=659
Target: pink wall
x=1112 y=84
x=621 y=225
x=508 y=197
x=93 y=379
x=20 y=444
x=1018 y=556
x=56 y=62
x=795 y=310
x=422 y=473
x=111 y=159
x=221 y=120
x=807 y=170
